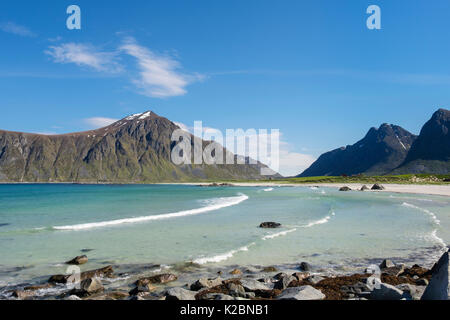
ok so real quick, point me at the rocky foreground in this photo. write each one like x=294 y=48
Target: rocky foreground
x=388 y=281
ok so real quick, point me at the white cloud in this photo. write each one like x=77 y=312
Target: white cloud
x=85 y=55
x=13 y=28
x=158 y=75
x=99 y=122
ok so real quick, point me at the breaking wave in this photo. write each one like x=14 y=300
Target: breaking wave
x=213 y=204
x=223 y=256
x=431 y=214
x=278 y=234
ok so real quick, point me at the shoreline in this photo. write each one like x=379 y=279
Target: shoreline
x=196 y=282
x=426 y=189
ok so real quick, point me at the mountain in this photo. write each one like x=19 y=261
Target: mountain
x=430 y=152
x=379 y=152
x=134 y=149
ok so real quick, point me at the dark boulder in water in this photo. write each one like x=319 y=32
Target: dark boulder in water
x=345 y=189
x=78 y=260
x=270 y=225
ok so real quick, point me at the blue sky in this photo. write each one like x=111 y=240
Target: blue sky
x=309 y=68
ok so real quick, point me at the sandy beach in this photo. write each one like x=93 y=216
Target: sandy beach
x=430 y=189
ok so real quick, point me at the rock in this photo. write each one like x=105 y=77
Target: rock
x=180 y=294
x=236 y=272
x=253 y=285
x=72 y=297
x=422 y=282
x=411 y=290
x=314 y=279
x=102 y=272
x=206 y=283
x=38 y=287
x=136 y=298
x=236 y=290
x=269 y=269
x=345 y=189
x=279 y=276
x=270 y=225
x=22 y=294
x=387 y=264
x=216 y=296
x=117 y=295
x=160 y=279
x=301 y=275
x=393 y=271
x=284 y=282
x=386 y=292
x=377 y=186
x=301 y=293
x=305 y=266
x=88 y=287
x=439 y=286
x=142 y=289
x=364 y=188
x=78 y=260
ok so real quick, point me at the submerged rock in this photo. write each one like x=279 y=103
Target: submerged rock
x=270 y=225
x=269 y=269
x=78 y=260
x=439 y=286
x=301 y=293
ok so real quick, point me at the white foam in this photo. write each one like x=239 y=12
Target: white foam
x=279 y=234
x=221 y=257
x=321 y=221
x=215 y=204
x=437 y=239
x=431 y=214
x=268 y=189
x=313 y=188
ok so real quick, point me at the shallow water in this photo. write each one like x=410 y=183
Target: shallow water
x=41 y=226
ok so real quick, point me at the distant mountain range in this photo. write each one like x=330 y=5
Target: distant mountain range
x=391 y=149
x=134 y=149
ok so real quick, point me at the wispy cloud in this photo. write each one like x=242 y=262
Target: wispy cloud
x=99 y=122
x=13 y=28
x=159 y=75
x=85 y=55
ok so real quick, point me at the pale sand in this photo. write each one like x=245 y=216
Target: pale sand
x=431 y=189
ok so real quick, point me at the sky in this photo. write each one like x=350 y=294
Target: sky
x=311 y=69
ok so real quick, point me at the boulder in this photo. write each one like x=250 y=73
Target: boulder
x=301 y=293
x=314 y=279
x=22 y=294
x=253 y=285
x=206 y=283
x=364 y=188
x=301 y=275
x=377 y=186
x=88 y=287
x=270 y=225
x=284 y=282
x=345 y=189
x=216 y=296
x=235 y=272
x=142 y=289
x=180 y=294
x=439 y=286
x=305 y=266
x=387 y=264
x=236 y=290
x=102 y=272
x=158 y=279
x=78 y=260
x=386 y=292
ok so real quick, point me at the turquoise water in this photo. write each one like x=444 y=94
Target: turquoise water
x=41 y=226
